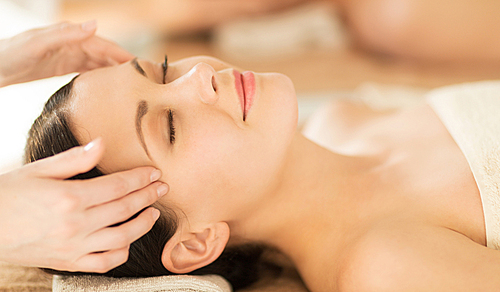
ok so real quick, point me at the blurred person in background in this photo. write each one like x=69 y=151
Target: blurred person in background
x=443 y=30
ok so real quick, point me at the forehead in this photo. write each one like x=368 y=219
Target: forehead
x=104 y=104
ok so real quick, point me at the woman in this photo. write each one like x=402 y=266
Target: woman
x=389 y=205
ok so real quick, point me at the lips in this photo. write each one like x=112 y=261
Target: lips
x=245 y=87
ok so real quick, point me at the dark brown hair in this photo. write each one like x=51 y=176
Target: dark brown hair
x=51 y=134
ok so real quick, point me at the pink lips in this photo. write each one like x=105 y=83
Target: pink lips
x=245 y=87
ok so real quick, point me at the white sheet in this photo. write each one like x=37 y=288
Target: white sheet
x=20 y=104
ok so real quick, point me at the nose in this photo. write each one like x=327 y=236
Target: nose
x=203 y=77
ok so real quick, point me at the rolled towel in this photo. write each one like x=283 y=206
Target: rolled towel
x=181 y=283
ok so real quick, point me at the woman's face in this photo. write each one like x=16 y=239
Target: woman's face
x=217 y=154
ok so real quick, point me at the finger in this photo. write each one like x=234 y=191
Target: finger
x=92 y=63
x=62 y=34
x=108 y=188
x=71 y=162
x=122 y=236
x=104 y=51
x=120 y=210
x=100 y=262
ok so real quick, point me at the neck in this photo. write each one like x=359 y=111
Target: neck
x=316 y=193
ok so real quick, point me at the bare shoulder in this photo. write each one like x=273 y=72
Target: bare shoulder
x=418 y=258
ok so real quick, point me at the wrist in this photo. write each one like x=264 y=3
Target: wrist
x=5 y=81
x=3 y=52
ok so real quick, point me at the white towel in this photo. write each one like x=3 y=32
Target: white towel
x=471 y=113
x=183 y=283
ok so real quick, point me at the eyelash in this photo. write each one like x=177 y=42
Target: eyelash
x=170 y=113
x=172 y=127
x=165 y=68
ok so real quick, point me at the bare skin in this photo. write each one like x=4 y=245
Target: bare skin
x=390 y=213
x=390 y=201
x=417 y=195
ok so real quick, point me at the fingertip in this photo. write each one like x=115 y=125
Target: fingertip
x=111 y=62
x=119 y=56
x=127 y=56
x=162 y=190
x=89 y=26
x=93 y=145
x=155 y=175
x=155 y=213
x=92 y=152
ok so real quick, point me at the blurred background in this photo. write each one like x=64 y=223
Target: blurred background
x=319 y=44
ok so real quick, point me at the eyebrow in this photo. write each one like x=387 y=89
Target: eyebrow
x=142 y=110
x=138 y=67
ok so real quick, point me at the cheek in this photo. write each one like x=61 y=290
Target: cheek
x=218 y=167
x=213 y=157
x=218 y=163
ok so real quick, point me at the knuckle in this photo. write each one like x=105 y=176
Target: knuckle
x=142 y=175
x=121 y=240
x=101 y=265
x=123 y=255
x=120 y=185
x=143 y=223
x=152 y=193
x=33 y=168
x=64 y=25
x=67 y=230
x=124 y=211
x=73 y=155
x=62 y=265
x=68 y=202
x=144 y=172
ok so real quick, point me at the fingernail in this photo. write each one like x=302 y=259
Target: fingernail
x=155 y=175
x=89 y=146
x=162 y=190
x=92 y=144
x=155 y=213
x=89 y=25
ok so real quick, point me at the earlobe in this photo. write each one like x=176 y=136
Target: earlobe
x=188 y=251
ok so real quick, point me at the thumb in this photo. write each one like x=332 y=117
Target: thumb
x=71 y=162
x=65 y=33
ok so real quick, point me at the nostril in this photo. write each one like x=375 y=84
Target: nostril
x=214 y=85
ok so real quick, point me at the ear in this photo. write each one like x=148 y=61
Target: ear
x=188 y=251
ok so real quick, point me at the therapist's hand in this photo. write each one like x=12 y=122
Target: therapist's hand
x=49 y=222
x=56 y=50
